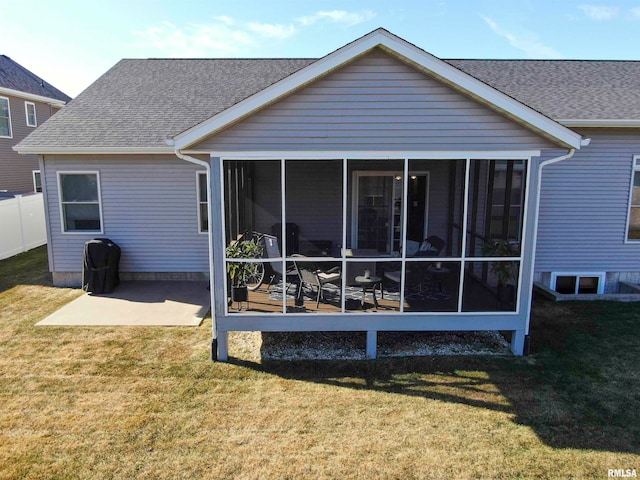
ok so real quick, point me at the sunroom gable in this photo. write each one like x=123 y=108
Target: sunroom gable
x=408 y=54
x=376 y=102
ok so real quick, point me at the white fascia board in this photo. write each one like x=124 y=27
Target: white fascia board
x=40 y=150
x=378 y=155
x=602 y=123
x=32 y=97
x=401 y=49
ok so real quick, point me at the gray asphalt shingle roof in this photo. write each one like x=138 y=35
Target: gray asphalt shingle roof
x=565 y=89
x=142 y=102
x=139 y=103
x=16 y=77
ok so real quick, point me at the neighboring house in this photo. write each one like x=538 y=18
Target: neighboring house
x=524 y=169
x=26 y=101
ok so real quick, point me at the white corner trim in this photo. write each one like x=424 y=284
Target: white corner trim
x=394 y=46
x=30 y=96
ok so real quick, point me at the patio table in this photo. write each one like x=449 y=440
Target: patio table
x=369 y=284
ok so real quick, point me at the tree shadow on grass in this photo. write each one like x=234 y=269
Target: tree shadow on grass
x=579 y=389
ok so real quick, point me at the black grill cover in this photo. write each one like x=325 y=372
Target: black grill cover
x=101 y=264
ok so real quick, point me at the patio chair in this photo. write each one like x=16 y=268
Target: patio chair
x=316 y=279
x=431 y=247
x=272 y=250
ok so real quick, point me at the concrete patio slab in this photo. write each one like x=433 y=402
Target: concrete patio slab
x=138 y=303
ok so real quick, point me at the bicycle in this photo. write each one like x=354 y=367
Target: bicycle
x=253 y=273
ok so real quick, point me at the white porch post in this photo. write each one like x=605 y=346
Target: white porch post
x=223 y=346
x=517 y=342
x=216 y=227
x=372 y=343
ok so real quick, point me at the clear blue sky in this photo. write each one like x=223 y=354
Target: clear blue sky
x=70 y=43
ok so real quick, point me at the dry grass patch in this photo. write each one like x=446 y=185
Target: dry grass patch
x=131 y=402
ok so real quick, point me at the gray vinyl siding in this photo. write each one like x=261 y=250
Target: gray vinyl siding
x=268 y=196
x=584 y=204
x=314 y=199
x=15 y=169
x=149 y=208
x=375 y=103
x=314 y=196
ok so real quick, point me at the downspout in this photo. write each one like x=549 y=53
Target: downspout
x=584 y=142
x=214 y=326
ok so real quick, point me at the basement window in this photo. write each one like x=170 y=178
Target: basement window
x=578 y=283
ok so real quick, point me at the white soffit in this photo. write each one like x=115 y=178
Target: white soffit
x=403 y=50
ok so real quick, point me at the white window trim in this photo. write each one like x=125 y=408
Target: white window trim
x=635 y=168
x=80 y=172
x=10 y=125
x=199 y=200
x=35 y=187
x=26 y=112
x=601 y=276
x=282 y=157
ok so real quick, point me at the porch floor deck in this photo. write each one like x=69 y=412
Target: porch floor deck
x=264 y=300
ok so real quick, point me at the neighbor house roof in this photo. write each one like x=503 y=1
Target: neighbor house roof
x=139 y=104
x=15 y=78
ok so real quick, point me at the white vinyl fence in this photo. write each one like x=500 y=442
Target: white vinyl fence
x=22 y=224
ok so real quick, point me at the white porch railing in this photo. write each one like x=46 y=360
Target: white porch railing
x=22 y=224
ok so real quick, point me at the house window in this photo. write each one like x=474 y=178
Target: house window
x=5 y=118
x=80 y=202
x=578 y=283
x=203 y=214
x=30 y=111
x=633 y=220
x=37 y=181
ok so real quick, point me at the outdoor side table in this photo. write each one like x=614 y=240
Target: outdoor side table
x=369 y=284
x=438 y=276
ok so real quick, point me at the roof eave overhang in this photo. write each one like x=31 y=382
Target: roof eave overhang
x=405 y=51
x=600 y=123
x=32 y=97
x=43 y=150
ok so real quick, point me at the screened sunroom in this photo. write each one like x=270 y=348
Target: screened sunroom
x=371 y=243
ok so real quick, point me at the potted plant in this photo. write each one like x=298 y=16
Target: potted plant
x=241 y=249
x=504 y=271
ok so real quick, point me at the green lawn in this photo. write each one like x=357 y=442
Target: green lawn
x=133 y=402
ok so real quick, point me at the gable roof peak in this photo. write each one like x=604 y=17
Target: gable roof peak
x=404 y=51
